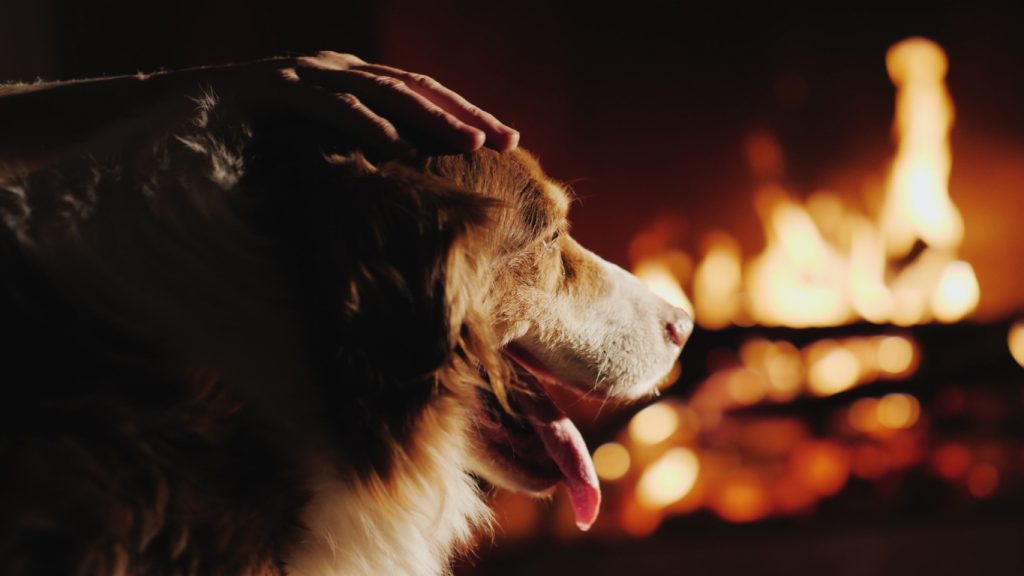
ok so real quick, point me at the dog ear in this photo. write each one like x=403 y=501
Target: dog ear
x=385 y=261
x=410 y=267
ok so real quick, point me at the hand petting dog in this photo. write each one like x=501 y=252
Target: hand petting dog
x=388 y=110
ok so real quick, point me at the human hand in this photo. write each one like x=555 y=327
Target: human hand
x=379 y=105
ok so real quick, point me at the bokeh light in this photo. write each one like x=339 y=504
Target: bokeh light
x=833 y=369
x=669 y=478
x=654 y=424
x=611 y=461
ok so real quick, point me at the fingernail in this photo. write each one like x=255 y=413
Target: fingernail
x=513 y=139
x=478 y=140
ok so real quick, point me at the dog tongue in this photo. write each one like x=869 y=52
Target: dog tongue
x=565 y=446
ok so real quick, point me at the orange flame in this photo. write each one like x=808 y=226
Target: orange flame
x=825 y=264
x=918 y=204
x=798 y=279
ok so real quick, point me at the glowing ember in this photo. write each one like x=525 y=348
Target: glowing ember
x=896 y=354
x=833 y=369
x=638 y=521
x=742 y=498
x=654 y=424
x=611 y=461
x=952 y=461
x=983 y=481
x=870 y=462
x=668 y=479
x=1016 y=342
x=745 y=387
x=898 y=411
x=822 y=466
x=864 y=416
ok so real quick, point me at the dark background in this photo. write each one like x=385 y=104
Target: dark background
x=643 y=107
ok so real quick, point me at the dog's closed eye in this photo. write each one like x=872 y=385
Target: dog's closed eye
x=551 y=242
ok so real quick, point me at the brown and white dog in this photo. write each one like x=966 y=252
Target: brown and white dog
x=243 y=348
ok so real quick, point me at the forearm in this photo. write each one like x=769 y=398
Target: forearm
x=40 y=123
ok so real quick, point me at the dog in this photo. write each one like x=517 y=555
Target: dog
x=244 y=347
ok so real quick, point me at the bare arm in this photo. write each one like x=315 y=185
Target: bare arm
x=42 y=122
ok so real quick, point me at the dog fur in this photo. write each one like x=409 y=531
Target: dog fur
x=243 y=348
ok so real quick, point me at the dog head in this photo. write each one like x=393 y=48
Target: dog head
x=565 y=318
x=462 y=269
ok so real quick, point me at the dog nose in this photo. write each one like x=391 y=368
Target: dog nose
x=679 y=327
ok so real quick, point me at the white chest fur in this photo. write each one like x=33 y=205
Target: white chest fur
x=412 y=524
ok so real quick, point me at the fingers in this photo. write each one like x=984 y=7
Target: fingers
x=396 y=101
x=350 y=115
x=499 y=136
x=376 y=102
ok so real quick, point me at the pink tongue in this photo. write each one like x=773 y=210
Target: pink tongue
x=565 y=446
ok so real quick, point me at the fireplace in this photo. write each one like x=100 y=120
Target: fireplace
x=715 y=148
x=842 y=374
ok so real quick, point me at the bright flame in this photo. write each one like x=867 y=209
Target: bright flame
x=717 y=282
x=799 y=279
x=659 y=279
x=869 y=295
x=611 y=461
x=654 y=424
x=825 y=263
x=918 y=204
x=957 y=294
x=668 y=479
x=1016 y=341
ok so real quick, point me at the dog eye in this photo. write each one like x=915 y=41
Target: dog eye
x=550 y=243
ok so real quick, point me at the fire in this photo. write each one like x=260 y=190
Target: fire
x=957 y=293
x=826 y=263
x=918 y=204
x=717 y=282
x=798 y=279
